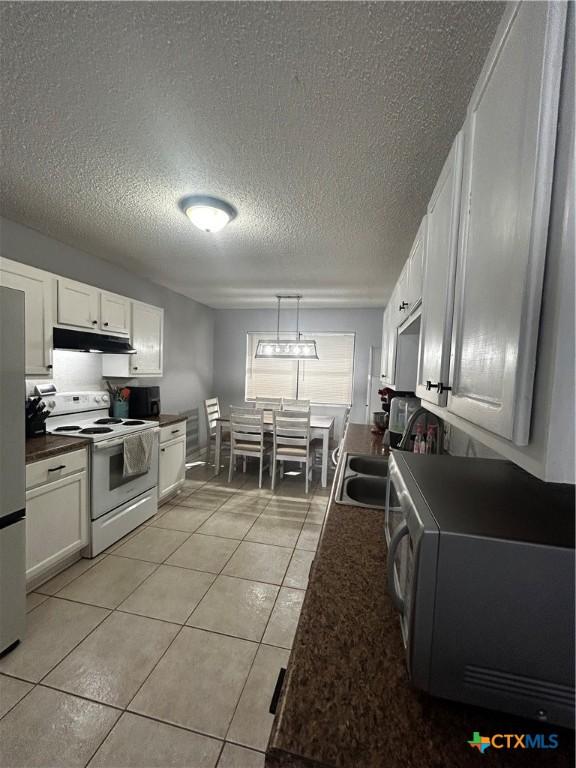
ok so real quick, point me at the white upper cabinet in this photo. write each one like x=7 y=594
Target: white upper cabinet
x=384 y=354
x=114 y=313
x=409 y=286
x=37 y=288
x=438 y=283
x=147 y=332
x=510 y=135
x=78 y=304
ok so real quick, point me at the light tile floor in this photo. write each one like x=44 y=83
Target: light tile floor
x=164 y=651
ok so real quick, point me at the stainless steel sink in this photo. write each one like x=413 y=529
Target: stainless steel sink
x=363 y=481
x=369 y=465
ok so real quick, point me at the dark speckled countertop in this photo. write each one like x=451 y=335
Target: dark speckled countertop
x=46 y=446
x=346 y=700
x=165 y=419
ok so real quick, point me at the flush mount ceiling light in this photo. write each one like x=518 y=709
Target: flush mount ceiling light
x=287 y=349
x=208 y=213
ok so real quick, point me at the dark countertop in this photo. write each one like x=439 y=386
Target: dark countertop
x=165 y=419
x=46 y=446
x=346 y=700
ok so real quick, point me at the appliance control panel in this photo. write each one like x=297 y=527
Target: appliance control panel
x=76 y=402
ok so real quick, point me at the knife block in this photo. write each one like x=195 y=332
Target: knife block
x=35 y=427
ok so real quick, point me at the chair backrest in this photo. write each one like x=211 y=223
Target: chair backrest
x=268 y=403
x=295 y=405
x=246 y=427
x=212 y=408
x=291 y=429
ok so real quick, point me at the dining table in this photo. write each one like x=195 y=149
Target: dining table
x=320 y=427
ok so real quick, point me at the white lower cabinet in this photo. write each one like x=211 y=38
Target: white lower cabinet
x=172 y=462
x=56 y=513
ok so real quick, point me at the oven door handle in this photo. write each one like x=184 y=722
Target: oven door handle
x=115 y=443
x=397 y=537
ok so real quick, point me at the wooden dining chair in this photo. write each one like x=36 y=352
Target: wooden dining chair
x=295 y=405
x=247 y=438
x=291 y=440
x=212 y=410
x=268 y=403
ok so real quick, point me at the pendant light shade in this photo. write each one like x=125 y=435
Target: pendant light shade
x=287 y=349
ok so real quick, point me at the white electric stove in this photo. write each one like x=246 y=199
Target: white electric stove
x=118 y=503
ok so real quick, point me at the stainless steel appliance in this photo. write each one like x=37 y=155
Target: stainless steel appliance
x=118 y=503
x=481 y=570
x=12 y=470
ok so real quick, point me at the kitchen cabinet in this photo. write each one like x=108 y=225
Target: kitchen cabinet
x=438 y=282
x=114 y=313
x=409 y=287
x=385 y=342
x=37 y=287
x=509 y=134
x=172 y=459
x=78 y=304
x=56 y=512
x=147 y=339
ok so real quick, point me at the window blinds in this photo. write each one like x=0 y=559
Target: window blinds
x=328 y=380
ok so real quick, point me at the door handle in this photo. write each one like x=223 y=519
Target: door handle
x=397 y=537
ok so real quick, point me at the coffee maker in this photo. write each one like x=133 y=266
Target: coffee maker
x=144 y=402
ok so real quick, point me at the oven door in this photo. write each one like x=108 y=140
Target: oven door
x=109 y=487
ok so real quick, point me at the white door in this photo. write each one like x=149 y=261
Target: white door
x=439 y=276
x=114 y=313
x=172 y=466
x=56 y=522
x=78 y=304
x=510 y=135
x=415 y=267
x=147 y=322
x=37 y=288
x=384 y=355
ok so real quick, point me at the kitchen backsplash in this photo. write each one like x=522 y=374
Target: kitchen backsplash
x=73 y=371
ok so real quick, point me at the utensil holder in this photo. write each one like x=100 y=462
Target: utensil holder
x=120 y=409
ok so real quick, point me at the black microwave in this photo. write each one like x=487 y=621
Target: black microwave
x=480 y=567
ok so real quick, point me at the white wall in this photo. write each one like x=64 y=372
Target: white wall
x=188 y=325
x=232 y=325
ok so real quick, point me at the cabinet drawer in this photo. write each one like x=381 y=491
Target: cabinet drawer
x=48 y=470
x=172 y=431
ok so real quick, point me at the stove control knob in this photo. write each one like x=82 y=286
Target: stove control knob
x=97 y=398
x=51 y=404
x=105 y=399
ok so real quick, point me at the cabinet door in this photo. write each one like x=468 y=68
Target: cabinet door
x=37 y=288
x=510 y=135
x=415 y=268
x=114 y=313
x=172 y=466
x=147 y=325
x=439 y=276
x=384 y=354
x=56 y=523
x=78 y=304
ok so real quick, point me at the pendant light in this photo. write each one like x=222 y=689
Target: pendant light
x=287 y=349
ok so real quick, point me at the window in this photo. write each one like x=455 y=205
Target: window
x=328 y=380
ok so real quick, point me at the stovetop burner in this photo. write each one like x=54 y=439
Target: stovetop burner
x=108 y=421
x=133 y=422
x=96 y=430
x=67 y=429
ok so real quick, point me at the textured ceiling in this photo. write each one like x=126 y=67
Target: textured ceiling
x=325 y=125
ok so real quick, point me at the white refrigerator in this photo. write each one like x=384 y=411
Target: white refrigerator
x=12 y=470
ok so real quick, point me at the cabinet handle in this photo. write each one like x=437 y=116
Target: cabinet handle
x=49 y=367
x=403 y=306
x=162 y=449
x=277 y=691
x=134 y=367
x=106 y=324
x=430 y=386
x=94 y=322
x=442 y=388
x=175 y=431
x=55 y=469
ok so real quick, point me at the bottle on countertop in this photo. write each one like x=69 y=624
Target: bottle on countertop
x=419 y=440
x=432 y=439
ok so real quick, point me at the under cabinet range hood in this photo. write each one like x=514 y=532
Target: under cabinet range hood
x=85 y=341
